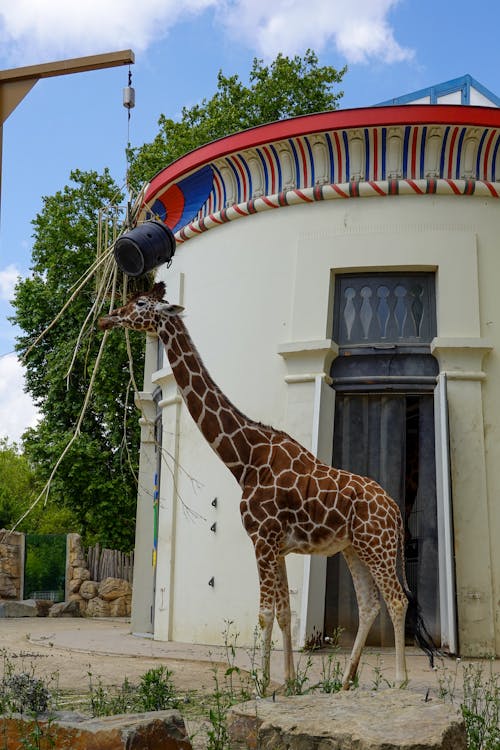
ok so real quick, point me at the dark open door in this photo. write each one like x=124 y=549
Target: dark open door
x=390 y=437
x=384 y=379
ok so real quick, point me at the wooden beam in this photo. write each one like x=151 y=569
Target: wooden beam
x=73 y=65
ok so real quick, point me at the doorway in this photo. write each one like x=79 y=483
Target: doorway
x=389 y=437
x=384 y=380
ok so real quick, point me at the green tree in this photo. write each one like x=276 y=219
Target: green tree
x=17 y=484
x=96 y=480
x=286 y=88
x=19 y=487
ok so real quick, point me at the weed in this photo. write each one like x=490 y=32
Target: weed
x=297 y=685
x=481 y=707
x=378 y=676
x=156 y=691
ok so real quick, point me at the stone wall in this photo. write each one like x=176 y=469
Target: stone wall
x=11 y=564
x=111 y=597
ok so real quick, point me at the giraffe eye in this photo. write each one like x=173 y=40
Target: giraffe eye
x=141 y=302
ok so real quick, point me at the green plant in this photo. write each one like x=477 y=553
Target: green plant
x=24 y=693
x=99 y=703
x=297 y=685
x=156 y=691
x=378 y=676
x=481 y=707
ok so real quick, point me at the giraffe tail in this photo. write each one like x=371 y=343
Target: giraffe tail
x=414 y=619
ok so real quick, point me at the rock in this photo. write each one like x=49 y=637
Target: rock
x=97 y=607
x=383 y=720
x=158 y=729
x=11 y=570
x=113 y=588
x=26 y=608
x=74 y=585
x=118 y=607
x=8 y=586
x=82 y=603
x=88 y=589
x=65 y=609
x=80 y=574
x=43 y=606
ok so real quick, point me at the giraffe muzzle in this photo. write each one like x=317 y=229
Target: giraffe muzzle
x=106 y=323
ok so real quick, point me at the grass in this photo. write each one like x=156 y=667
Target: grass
x=473 y=688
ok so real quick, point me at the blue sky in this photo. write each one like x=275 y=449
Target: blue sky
x=391 y=48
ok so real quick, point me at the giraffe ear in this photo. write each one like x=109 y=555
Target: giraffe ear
x=169 y=309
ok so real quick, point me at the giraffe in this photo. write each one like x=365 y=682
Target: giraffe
x=291 y=502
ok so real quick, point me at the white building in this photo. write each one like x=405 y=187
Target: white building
x=340 y=277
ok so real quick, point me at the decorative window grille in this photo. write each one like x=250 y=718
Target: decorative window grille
x=384 y=310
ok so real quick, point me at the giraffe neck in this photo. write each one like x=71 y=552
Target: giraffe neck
x=224 y=427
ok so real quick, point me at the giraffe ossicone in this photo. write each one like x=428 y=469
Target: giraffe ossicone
x=291 y=502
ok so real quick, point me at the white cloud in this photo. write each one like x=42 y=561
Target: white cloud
x=359 y=29
x=8 y=278
x=17 y=411
x=45 y=29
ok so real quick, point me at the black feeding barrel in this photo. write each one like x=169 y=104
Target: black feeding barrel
x=145 y=247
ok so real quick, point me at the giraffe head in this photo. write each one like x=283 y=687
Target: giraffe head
x=143 y=311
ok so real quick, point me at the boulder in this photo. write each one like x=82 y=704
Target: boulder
x=118 y=607
x=8 y=586
x=74 y=585
x=158 y=729
x=82 y=603
x=26 y=608
x=65 y=609
x=88 y=589
x=43 y=606
x=97 y=607
x=383 y=720
x=10 y=571
x=80 y=574
x=113 y=588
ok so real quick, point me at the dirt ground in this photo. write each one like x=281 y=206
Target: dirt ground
x=66 y=651
x=42 y=644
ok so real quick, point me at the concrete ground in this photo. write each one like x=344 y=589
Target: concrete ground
x=108 y=649
x=72 y=652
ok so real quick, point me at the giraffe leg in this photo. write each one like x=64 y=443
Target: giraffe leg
x=397 y=606
x=284 y=617
x=268 y=575
x=384 y=573
x=368 y=599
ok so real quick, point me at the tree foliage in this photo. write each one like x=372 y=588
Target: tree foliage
x=95 y=480
x=286 y=88
x=19 y=487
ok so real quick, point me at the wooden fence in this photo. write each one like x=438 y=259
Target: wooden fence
x=109 y=563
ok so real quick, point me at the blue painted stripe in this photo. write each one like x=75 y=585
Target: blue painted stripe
x=459 y=153
x=423 y=139
x=224 y=194
x=249 y=175
x=330 y=156
x=346 y=151
x=384 y=145
x=265 y=168
x=442 y=160
x=405 y=150
x=278 y=167
x=237 y=178
x=478 y=160
x=494 y=159
x=298 y=180
x=367 y=155
x=311 y=161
